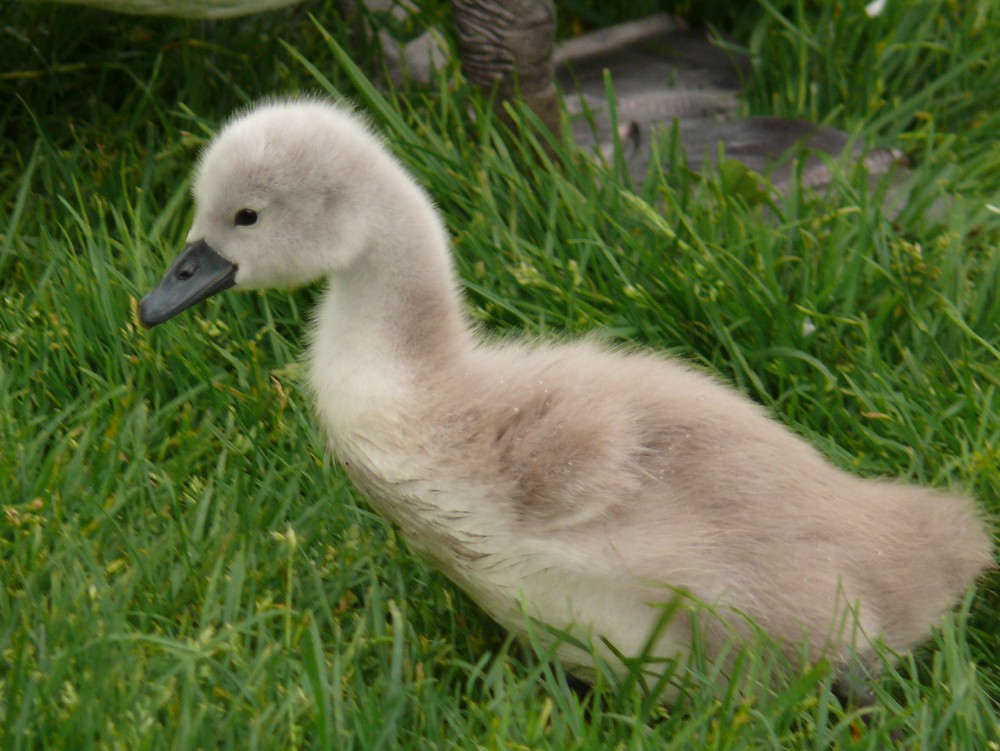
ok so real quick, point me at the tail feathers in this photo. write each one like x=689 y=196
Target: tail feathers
x=945 y=545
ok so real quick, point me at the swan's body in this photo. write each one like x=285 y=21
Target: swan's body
x=572 y=483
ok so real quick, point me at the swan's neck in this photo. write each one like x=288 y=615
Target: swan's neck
x=387 y=323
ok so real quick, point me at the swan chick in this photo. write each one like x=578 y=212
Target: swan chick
x=576 y=484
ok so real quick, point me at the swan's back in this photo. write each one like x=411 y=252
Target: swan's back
x=632 y=468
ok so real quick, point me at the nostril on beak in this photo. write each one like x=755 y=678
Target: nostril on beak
x=186 y=272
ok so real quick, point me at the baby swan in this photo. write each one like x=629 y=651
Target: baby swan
x=581 y=486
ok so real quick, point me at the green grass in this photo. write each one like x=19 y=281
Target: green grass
x=182 y=567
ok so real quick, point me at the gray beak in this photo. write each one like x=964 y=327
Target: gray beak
x=198 y=272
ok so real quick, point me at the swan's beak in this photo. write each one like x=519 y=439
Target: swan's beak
x=198 y=272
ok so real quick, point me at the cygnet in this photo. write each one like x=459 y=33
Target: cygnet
x=576 y=485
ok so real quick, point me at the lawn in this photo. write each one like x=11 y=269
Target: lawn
x=182 y=565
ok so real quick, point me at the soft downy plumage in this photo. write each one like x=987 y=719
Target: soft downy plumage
x=573 y=483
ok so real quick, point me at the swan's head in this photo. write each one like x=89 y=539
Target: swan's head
x=286 y=193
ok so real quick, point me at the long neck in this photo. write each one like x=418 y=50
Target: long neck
x=390 y=320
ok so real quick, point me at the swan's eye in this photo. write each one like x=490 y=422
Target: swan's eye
x=245 y=218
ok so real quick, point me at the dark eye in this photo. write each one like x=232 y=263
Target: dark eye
x=245 y=218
